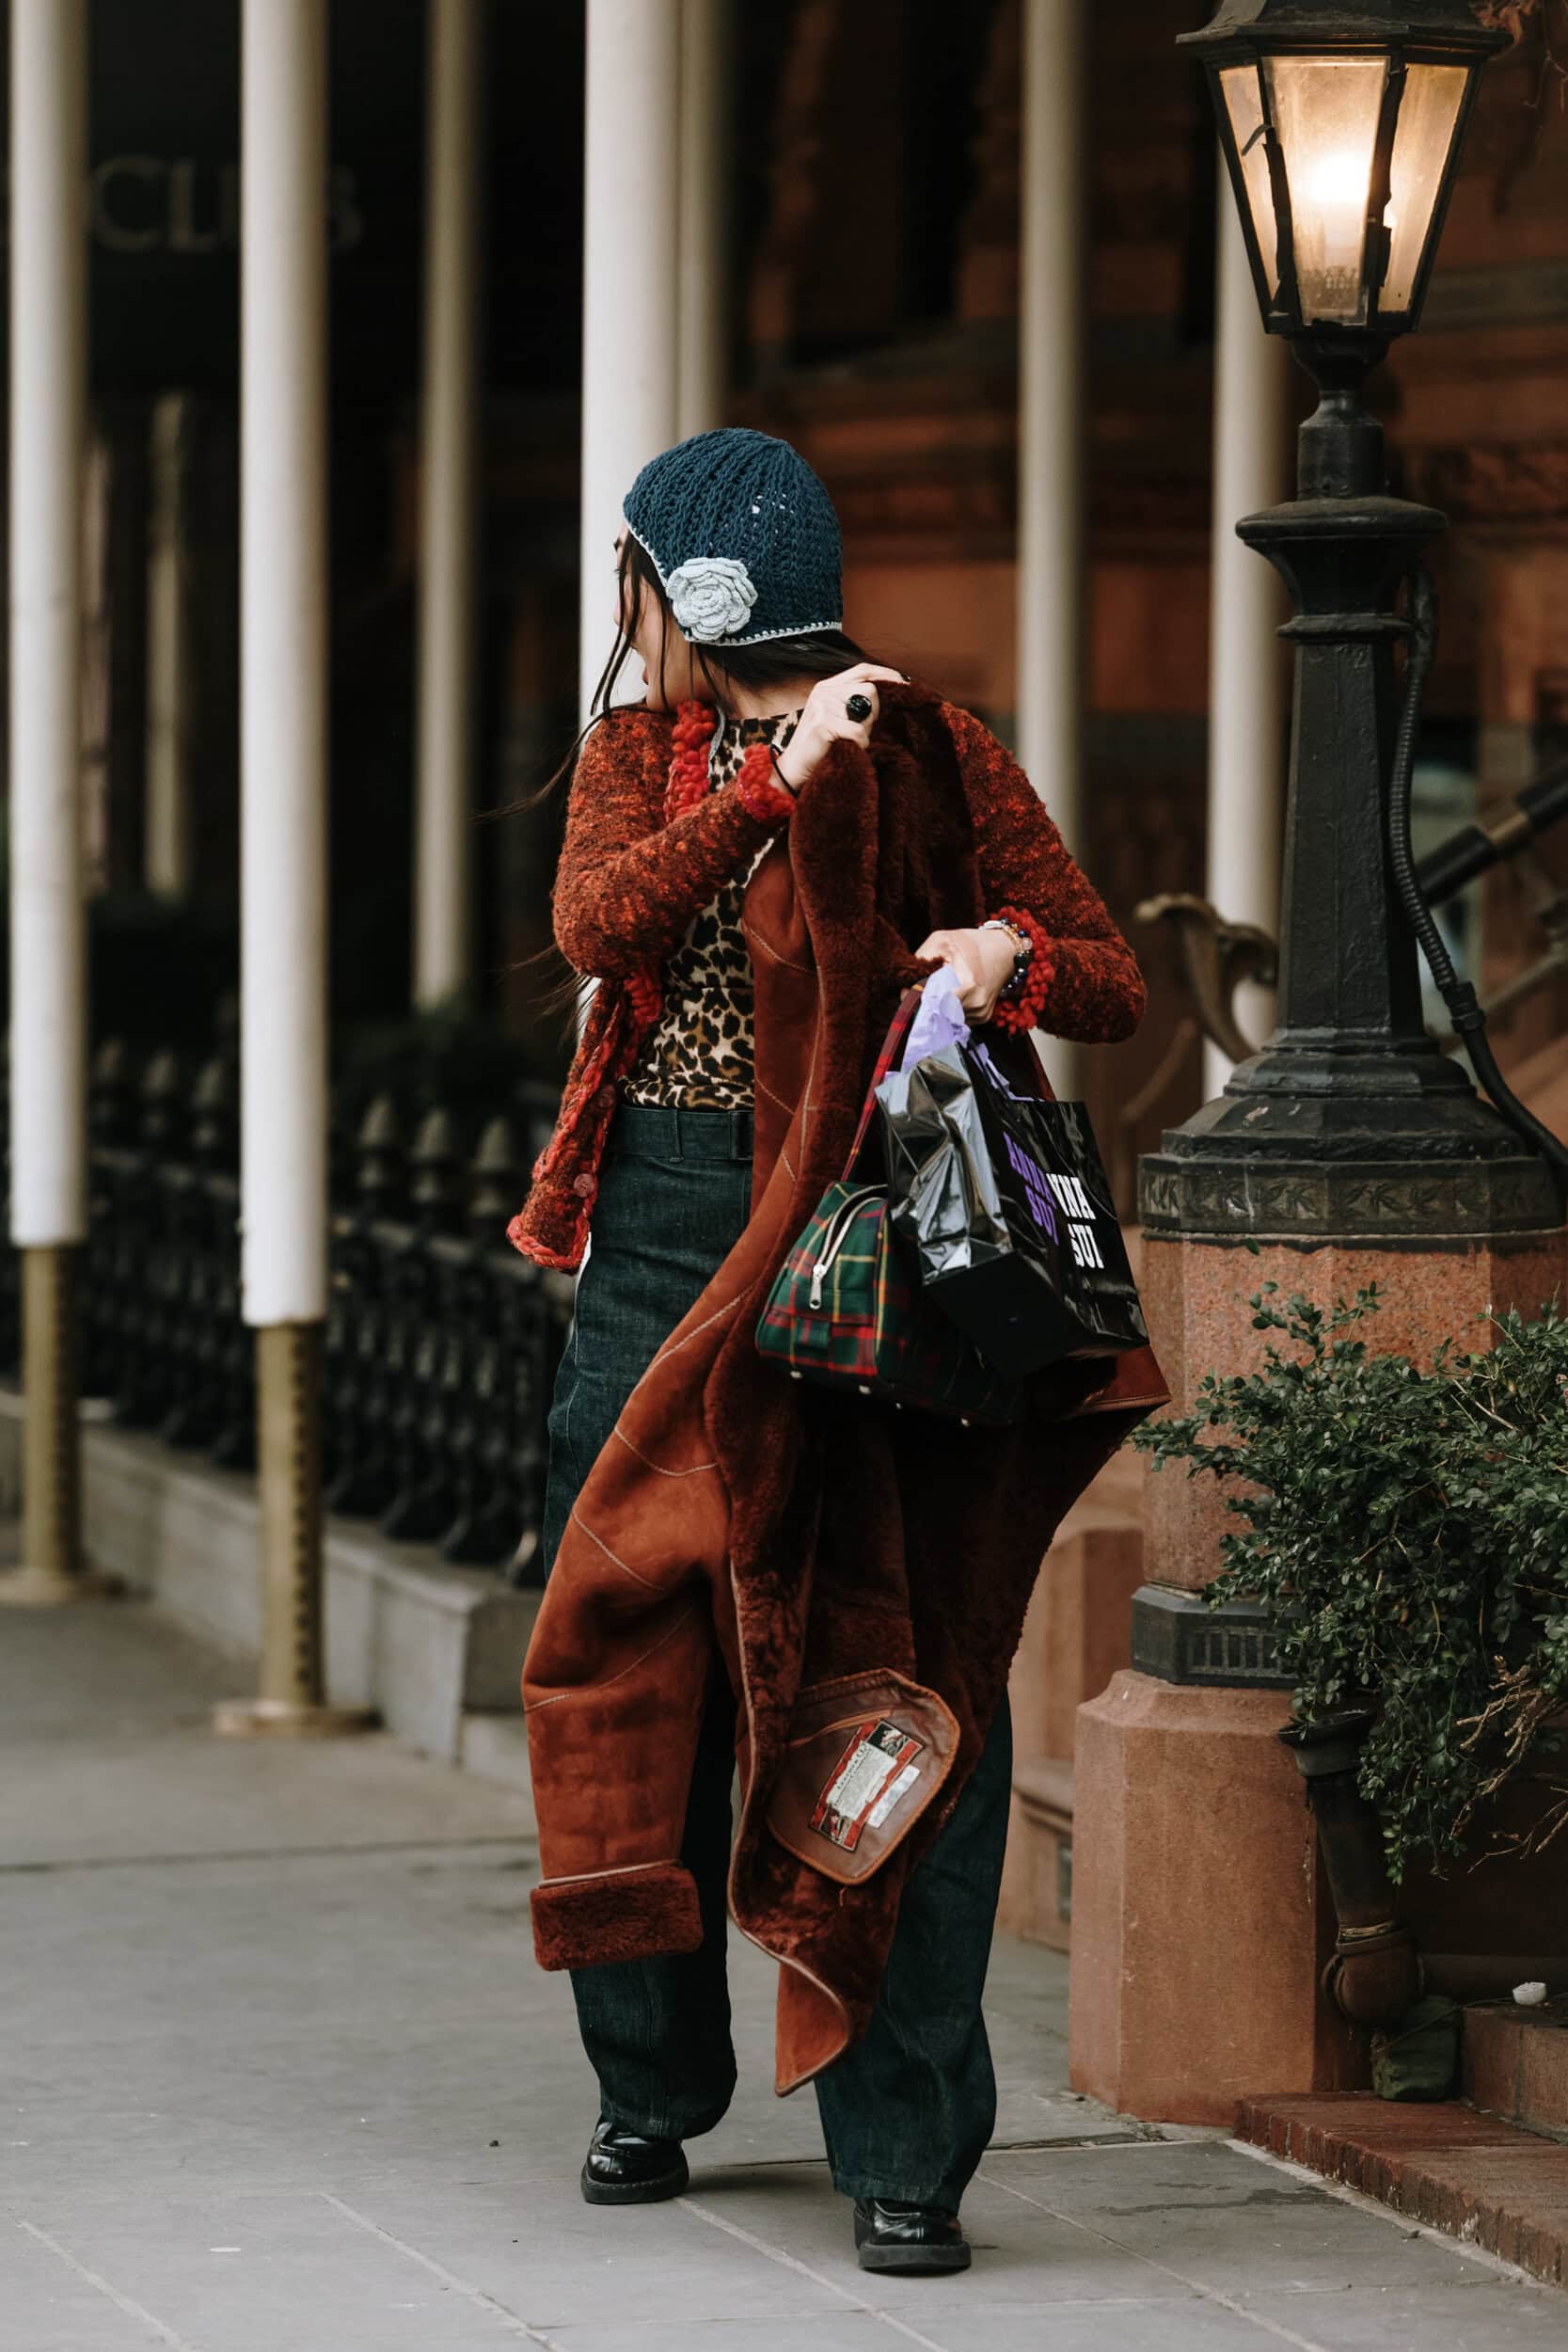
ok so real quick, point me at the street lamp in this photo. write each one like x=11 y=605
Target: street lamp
x=1341 y=126
x=1342 y=129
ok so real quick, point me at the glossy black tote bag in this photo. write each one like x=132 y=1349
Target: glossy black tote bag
x=1000 y=1195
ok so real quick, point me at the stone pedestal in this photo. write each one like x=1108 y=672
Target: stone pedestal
x=1197 y=1297
x=1201 y=1919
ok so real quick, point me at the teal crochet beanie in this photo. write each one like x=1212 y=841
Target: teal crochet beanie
x=743 y=538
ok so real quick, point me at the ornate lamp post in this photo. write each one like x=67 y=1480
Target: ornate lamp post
x=1349 y=1149
x=1341 y=127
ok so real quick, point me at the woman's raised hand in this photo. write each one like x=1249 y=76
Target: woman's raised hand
x=826 y=719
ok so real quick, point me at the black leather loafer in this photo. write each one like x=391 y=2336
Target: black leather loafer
x=910 y=2238
x=623 y=2169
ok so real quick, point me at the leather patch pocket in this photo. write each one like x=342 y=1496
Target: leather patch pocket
x=866 y=1755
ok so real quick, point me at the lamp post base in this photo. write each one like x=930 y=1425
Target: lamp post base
x=1463 y=1175
x=284 y=1719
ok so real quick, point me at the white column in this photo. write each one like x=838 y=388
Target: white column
x=443 y=842
x=1053 y=585
x=1247 y=668
x=48 y=344
x=630 y=294
x=283 y=662
x=704 y=210
x=166 y=839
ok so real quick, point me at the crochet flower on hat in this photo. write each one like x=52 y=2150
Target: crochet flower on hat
x=711 y=597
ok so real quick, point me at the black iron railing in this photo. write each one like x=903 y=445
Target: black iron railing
x=1216 y=957
x=441 y=1342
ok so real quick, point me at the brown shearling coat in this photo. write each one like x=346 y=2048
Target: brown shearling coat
x=848 y=1561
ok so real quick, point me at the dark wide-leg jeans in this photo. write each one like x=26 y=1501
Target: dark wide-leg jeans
x=907 y=2113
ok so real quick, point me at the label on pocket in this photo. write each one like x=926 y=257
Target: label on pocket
x=876 y=1772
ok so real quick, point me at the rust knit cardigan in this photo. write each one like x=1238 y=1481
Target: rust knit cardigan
x=841 y=1559
x=630 y=879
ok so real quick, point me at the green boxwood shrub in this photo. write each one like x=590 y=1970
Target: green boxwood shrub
x=1407 y=1532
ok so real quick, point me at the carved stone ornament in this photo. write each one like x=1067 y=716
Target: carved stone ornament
x=1343 y=1202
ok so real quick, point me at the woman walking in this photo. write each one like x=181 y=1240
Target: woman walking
x=759 y=859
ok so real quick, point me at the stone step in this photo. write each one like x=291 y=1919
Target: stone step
x=1514 y=2062
x=1037 y=1876
x=1075 y=1637
x=1078 y=1629
x=1438 y=2162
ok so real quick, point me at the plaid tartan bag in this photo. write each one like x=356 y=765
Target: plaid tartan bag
x=847 y=1306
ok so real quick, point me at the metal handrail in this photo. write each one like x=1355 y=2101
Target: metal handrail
x=1219 y=957
x=1495 y=835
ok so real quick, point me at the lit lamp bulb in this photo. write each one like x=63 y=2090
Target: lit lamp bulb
x=1339 y=179
x=1330 y=231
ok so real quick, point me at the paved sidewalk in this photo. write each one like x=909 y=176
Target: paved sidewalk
x=280 y=2075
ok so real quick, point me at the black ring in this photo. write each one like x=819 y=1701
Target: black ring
x=858 y=708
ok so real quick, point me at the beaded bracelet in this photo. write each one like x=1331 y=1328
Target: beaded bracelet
x=1023 y=950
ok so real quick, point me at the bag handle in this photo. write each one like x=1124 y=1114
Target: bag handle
x=890 y=1055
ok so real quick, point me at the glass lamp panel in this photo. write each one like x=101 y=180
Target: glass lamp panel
x=1244 y=106
x=1429 y=116
x=1325 y=114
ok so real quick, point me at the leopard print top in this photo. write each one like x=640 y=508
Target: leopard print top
x=701 y=1054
